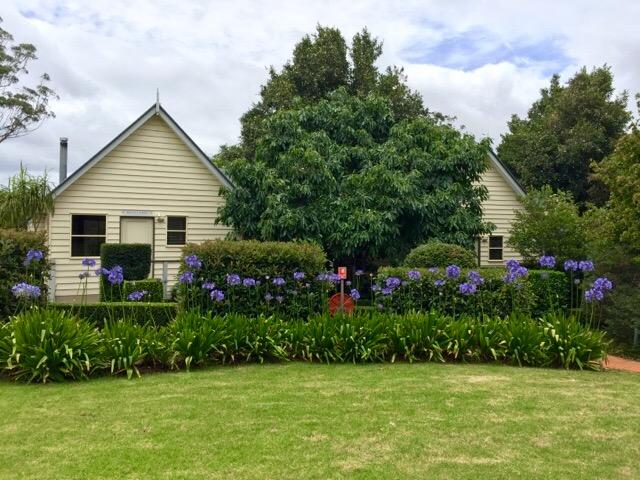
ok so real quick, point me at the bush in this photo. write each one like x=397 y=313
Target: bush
x=157 y=314
x=438 y=254
x=14 y=246
x=540 y=292
x=261 y=263
x=124 y=347
x=135 y=260
x=153 y=287
x=50 y=345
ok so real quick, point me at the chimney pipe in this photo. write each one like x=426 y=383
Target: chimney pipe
x=63 y=159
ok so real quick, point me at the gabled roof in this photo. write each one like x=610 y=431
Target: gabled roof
x=155 y=109
x=506 y=173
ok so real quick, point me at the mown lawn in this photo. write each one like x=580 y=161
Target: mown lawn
x=317 y=421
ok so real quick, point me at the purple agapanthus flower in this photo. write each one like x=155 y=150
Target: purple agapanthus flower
x=25 y=290
x=593 y=295
x=268 y=297
x=233 y=279
x=475 y=278
x=602 y=283
x=392 y=282
x=193 y=262
x=439 y=283
x=514 y=271
x=115 y=276
x=586 y=266
x=33 y=256
x=355 y=294
x=88 y=262
x=452 y=271
x=386 y=291
x=433 y=269
x=137 y=296
x=414 y=275
x=512 y=263
x=375 y=288
x=570 y=266
x=83 y=275
x=186 y=277
x=297 y=276
x=208 y=285
x=547 y=261
x=101 y=271
x=279 y=281
x=217 y=295
x=249 y=282
x=468 y=288
x=359 y=273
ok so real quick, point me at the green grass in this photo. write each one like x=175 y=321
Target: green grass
x=317 y=421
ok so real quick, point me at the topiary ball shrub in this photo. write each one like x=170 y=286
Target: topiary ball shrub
x=438 y=254
x=51 y=345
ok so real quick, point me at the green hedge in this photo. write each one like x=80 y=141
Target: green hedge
x=135 y=260
x=438 y=254
x=153 y=286
x=540 y=292
x=157 y=314
x=261 y=261
x=48 y=346
x=14 y=246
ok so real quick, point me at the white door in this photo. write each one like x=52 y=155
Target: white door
x=136 y=230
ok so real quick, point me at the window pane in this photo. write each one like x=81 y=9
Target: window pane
x=86 y=246
x=495 y=254
x=88 y=225
x=176 y=223
x=495 y=242
x=176 y=238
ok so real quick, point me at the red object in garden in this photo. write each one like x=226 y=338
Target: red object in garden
x=334 y=304
x=342 y=273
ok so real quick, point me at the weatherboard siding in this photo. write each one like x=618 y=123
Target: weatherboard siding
x=500 y=209
x=151 y=170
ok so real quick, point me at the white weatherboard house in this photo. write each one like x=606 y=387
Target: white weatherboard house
x=153 y=184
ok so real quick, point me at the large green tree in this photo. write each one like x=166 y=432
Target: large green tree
x=321 y=63
x=22 y=108
x=343 y=171
x=566 y=129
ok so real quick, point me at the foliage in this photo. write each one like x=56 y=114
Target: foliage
x=14 y=246
x=620 y=172
x=548 y=224
x=141 y=313
x=537 y=294
x=135 y=260
x=25 y=201
x=49 y=345
x=124 y=346
x=438 y=254
x=22 y=108
x=343 y=172
x=565 y=130
x=153 y=287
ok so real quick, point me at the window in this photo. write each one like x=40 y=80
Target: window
x=88 y=232
x=176 y=230
x=495 y=248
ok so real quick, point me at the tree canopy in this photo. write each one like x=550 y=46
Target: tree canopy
x=344 y=172
x=22 y=108
x=566 y=129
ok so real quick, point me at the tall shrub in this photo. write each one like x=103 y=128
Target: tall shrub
x=14 y=246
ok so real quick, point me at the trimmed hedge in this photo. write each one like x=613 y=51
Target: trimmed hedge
x=14 y=245
x=263 y=262
x=157 y=314
x=153 y=286
x=540 y=292
x=438 y=254
x=135 y=260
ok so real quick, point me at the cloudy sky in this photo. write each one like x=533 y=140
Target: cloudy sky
x=478 y=60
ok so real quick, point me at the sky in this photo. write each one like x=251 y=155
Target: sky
x=480 y=61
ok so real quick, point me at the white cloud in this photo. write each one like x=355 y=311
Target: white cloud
x=107 y=57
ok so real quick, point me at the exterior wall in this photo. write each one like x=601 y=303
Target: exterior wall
x=153 y=172
x=498 y=209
